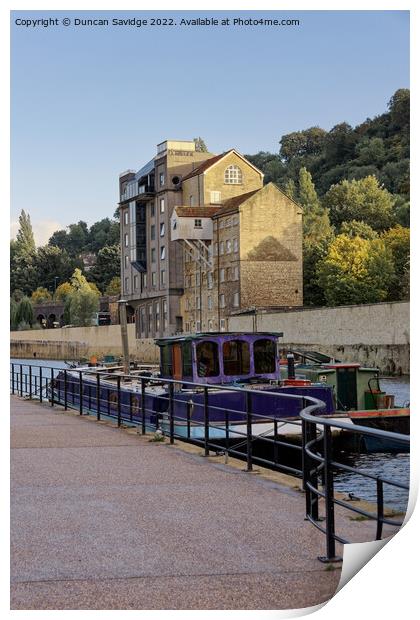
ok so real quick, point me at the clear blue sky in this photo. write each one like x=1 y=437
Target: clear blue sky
x=89 y=102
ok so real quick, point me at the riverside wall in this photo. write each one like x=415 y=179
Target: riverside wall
x=372 y=334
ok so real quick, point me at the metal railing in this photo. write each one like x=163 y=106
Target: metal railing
x=153 y=403
x=319 y=467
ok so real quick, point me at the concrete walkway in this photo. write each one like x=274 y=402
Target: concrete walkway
x=104 y=519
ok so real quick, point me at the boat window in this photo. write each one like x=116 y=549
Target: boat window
x=186 y=359
x=166 y=360
x=207 y=359
x=265 y=356
x=236 y=358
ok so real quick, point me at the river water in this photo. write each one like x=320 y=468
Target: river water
x=389 y=465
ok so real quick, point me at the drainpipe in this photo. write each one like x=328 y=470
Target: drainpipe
x=124 y=334
x=218 y=271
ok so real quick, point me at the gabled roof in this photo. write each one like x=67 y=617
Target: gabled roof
x=231 y=205
x=196 y=211
x=208 y=163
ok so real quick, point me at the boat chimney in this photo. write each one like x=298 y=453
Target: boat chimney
x=290 y=366
x=124 y=334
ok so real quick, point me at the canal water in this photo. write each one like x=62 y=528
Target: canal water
x=389 y=465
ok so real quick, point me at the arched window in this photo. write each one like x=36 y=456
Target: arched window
x=207 y=359
x=233 y=175
x=265 y=356
x=236 y=358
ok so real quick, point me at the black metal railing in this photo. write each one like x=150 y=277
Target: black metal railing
x=319 y=467
x=154 y=404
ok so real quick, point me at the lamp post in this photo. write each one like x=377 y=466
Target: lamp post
x=124 y=334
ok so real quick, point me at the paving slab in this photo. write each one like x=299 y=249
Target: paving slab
x=104 y=519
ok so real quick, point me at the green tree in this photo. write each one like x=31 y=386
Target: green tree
x=63 y=291
x=397 y=239
x=103 y=233
x=84 y=302
x=107 y=266
x=53 y=266
x=200 y=145
x=290 y=189
x=13 y=310
x=362 y=200
x=24 y=313
x=25 y=242
x=40 y=295
x=355 y=271
x=114 y=286
x=355 y=228
x=316 y=223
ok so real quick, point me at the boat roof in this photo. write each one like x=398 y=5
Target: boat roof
x=200 y=336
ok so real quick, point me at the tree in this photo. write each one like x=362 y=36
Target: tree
x=355 y=271
x=200 y=145
x=358 y=229
x=25 y=242
x=84 y=302
x=114 y=287
x=290 y=189
x=103 y=233
x=107 y=266
x=308 y=142
x=24 y=313
x=13 y=310
x=399 y=107
x=63 y=291
x=361 y=200
x=53 y=266
x=397 y=239
x=316 y=223
x=40 y=295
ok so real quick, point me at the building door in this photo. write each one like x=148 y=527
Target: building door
x=347 y=388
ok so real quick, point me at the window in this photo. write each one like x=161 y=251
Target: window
x=198 y=327
x=162 y=252
x=222 y=325
x=153 y=232
x=162 y=229
x=192 y=201
x=186 y=348
x=198 y=224
x=165 y=313
x=222 y=275
x=162 y=277
x=210 y=325
x=162 y=179
x=126 y=285
x=152 y=210
x=222 y=301
x=228 y=273
x=136 y=282
x=197 y=278
x=207 y=359
x=236 y=300
x=215 y=197
x=153 y=278
x=236 y=357
x=126 y=240
x=221 y=248
x=187 y=327
x=126 y=217
x=126 y=261
x=210 y=280
x=265 y=356
x=144 y=280
x=153 y=255
x=235 y=273
x=197 y=303
x=233 y=175
x=216 y=249
x=157 y=317
x=150 y=320
x=162 y=205
x=210 y=302
x=228 y=246
x=143 y=320
x=235 y=244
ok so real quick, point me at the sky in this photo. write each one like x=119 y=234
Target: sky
x=88 y=102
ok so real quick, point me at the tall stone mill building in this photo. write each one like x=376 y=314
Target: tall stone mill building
x=202 y=238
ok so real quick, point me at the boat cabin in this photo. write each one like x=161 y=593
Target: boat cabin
x=216 y=358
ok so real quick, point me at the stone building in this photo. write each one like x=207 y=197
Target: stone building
x=203 y=238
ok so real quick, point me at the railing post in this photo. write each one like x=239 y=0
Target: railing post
x=108 y=401
x=30 y=382
x=380 y=508
x=248 y=432
x=13 y=378
x=40 y=384
x=206 y=421
x=89 y=397
x=21 y=380
x=189 y=408
x=65 y=390
x=35 y=385
x=329 y=500
x=171 y=413
x=119 y=399
x=226 y=436
x=130 y=406
x=98 y=396
x=276 y=446
x=143 y=408
x=26 y=383
x=80 y=393
x=52 y=387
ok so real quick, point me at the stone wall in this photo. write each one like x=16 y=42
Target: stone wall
x=78 y=342
x=372 y=334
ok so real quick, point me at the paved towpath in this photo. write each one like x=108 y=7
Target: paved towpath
x=104 y=519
